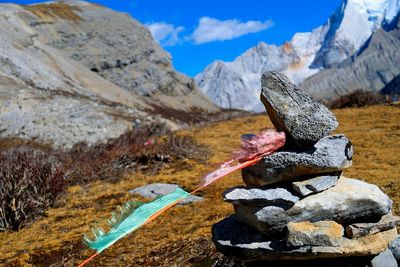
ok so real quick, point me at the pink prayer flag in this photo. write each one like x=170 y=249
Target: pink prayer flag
x=253 y=148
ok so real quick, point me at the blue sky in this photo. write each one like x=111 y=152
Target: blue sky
x=198 y=32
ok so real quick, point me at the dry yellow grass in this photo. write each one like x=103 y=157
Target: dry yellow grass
x=55 y=10
x=374 y=131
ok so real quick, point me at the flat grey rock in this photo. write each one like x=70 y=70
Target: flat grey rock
x=330 y=154
x=316 y=184
x=384 y=259
x=233 y=238
x=350 y=201
x=361 y=229
x=158 y=189
x=395 y=248
x=304 y=120
x=324 y=233
x=260 y=197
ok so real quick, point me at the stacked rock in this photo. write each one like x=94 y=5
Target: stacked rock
x=296 y=204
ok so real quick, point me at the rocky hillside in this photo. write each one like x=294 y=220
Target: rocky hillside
x=75 y=71
x=346 y=33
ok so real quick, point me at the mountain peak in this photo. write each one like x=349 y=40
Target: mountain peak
x=351 y=26
x=307 y=53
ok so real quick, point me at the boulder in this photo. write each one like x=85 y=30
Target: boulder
x=234 y=238
x=350 y=201
x=384 y=259
x=360 y=229
x=315 y=185
x=304 y=120
x=395 y=248
x=324 y=233
x=330 y=154
x=158 y=189
x=260 y=197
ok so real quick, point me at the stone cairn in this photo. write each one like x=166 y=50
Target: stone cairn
x=296 y=206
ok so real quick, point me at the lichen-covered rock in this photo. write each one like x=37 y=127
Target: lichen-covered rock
x=323 y=233
x=330 y=154
x=233 y=238
x=260 y=197
x=350 y=201
x=304 y=120
x=316 y=184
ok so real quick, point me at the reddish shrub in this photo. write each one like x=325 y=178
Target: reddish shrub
x=30 y=181
x=148 y=147
x=32 y=175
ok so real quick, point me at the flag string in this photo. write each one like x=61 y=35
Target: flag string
x=133 y=215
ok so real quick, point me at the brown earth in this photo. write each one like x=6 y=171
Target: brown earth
x=181 y=237
x=55 y=10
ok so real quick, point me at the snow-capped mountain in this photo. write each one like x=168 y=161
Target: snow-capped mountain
x=236 y=84
x=351 y=26
x=372 y=68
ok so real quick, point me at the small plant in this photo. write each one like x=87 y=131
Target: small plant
x=30 y=182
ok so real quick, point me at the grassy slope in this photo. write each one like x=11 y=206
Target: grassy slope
x=375 y=132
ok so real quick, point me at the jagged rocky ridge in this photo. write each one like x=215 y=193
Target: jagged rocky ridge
x=372 y=68
x=295 y=208
x=72 y=71
x=347 y=32
x=392 y=88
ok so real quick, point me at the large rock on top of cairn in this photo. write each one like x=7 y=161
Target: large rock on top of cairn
x=304 y=120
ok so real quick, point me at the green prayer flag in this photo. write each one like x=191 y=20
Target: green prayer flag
x=131 y=216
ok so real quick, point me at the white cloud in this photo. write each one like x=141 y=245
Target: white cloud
x=165 y=34
x=210 y=29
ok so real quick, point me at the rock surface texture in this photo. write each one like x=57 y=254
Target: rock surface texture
x=316 y=185
x=350 y=201
x=323 y=233
x=297 y=208
x=384 y=259
x=279 y=197
x=330 y=154
x=234 y=238
x=289 y=109
x=387 y=222
x=395 y=248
